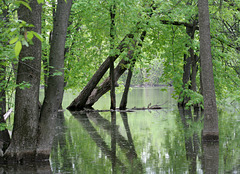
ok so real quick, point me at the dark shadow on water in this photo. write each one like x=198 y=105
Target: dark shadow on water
x=39 y=168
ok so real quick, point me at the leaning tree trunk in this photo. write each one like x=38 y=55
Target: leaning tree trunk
x=80 y=101
x=23 y=144
x=54 y=93
x=104 y=87
x=210 y=131
x=119 y=70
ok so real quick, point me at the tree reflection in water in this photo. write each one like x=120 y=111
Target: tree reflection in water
x=110 y=127
x=210 y=156
x=105 y=143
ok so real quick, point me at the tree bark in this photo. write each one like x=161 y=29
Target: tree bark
x=123 y=103
x=106 y=86
x=54 y=93
x=187 y=68
x=210 y=131
x=112 y=38
x=23 y=144
x=119 y=70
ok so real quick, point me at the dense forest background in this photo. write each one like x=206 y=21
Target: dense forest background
x=157 y=40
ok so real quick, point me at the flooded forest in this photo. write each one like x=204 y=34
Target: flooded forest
x=119 y=86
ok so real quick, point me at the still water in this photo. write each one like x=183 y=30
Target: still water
x=149 y=141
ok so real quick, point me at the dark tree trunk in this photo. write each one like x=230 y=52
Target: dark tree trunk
x=83 y=99
x=123 y=103
x=4 y=135
x=106 y=86
x=2 y=90
x=4 y=17
x=210 y=131
x=112 y=38
x=188 y=64
x=23 y=144
x=119 y=70
x=194 y=73
x=80 y=101
x=54 y=93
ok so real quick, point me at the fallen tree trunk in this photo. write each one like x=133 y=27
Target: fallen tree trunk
x=79 y=102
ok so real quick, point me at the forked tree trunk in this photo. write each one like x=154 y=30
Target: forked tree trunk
x=210 y=131
x=23 y=144
x=54 y=93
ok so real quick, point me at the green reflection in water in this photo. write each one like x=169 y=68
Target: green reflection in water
x=162 y=141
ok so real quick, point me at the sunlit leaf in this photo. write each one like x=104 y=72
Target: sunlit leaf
x=38 y=36
x=13 y=40
x=25 y=4
x=40 y=1
x=18 y=48
x=30 y=35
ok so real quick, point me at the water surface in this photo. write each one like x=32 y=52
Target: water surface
x=149 y=141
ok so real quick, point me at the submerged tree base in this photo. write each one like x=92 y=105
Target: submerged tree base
x=210 y=136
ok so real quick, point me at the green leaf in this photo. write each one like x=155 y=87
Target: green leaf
x=24 y=3
x=28 y=58
x=57 y=73
x=13 y=40
x=24 y=42
x=30 y=35
x=18 y=48
x=37 y=35
x=40 y=1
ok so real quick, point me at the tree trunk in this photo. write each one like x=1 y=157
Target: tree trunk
x=54 y=93
x=112 y=38
x=210 y=131
x=123 y=103
x=80 y=101
x=187 y=68
x=23 y=144
x=106 y=86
